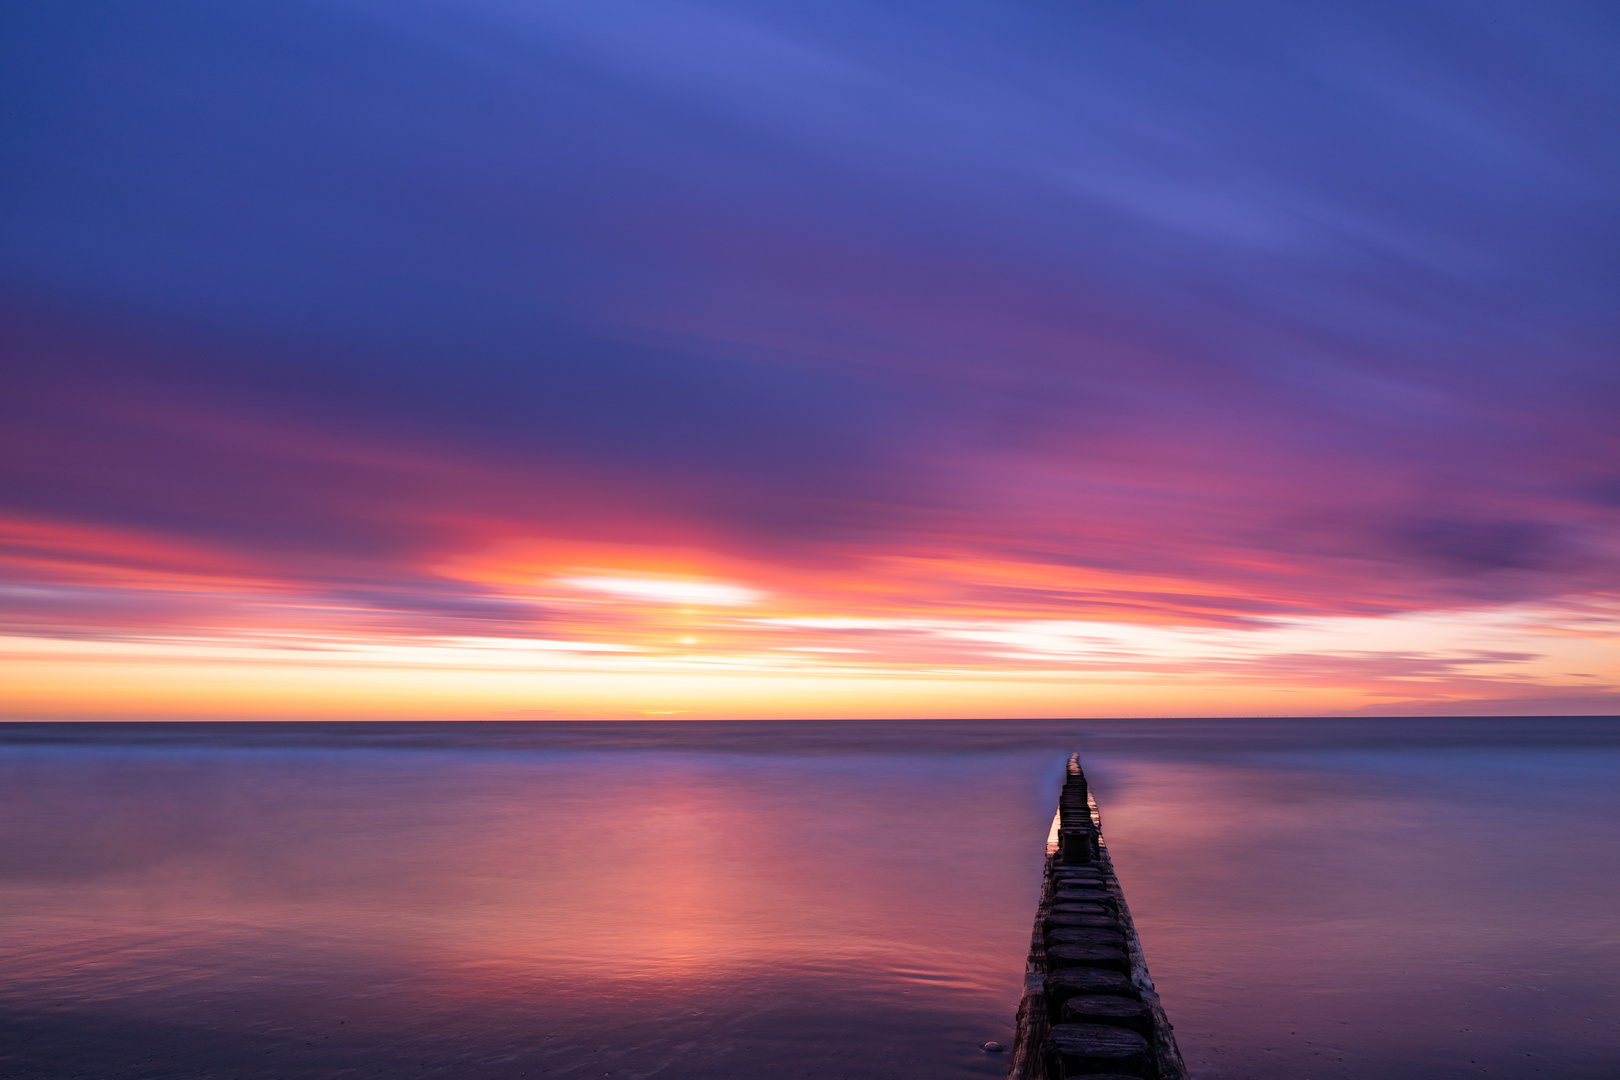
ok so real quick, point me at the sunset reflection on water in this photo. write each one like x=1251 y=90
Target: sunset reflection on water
x=834 y=900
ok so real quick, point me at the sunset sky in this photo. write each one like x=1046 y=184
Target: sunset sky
x=611 y=359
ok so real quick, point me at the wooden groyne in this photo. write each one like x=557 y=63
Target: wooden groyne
x=1089 y=1008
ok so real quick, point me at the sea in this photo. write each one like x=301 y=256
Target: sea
x=1355 y=898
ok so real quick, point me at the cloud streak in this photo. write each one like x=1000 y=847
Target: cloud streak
x=893 y=343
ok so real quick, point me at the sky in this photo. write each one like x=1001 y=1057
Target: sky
x=610 y=359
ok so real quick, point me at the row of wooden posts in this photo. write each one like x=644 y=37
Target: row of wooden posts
x=1089 y=1009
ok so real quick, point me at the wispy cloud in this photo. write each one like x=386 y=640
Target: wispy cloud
x=1261 y=357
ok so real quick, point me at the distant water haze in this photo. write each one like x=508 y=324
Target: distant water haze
x=1358 y=899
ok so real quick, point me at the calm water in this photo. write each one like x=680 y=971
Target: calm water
x=1358 y=899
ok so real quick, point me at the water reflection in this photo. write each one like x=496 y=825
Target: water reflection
x=536 y=911
x=834 y=900
x=1425 y=913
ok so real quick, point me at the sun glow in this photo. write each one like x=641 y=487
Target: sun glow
x=667 y=590
x=722 y=664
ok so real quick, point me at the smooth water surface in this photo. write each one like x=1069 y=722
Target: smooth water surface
x=1317 y=898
